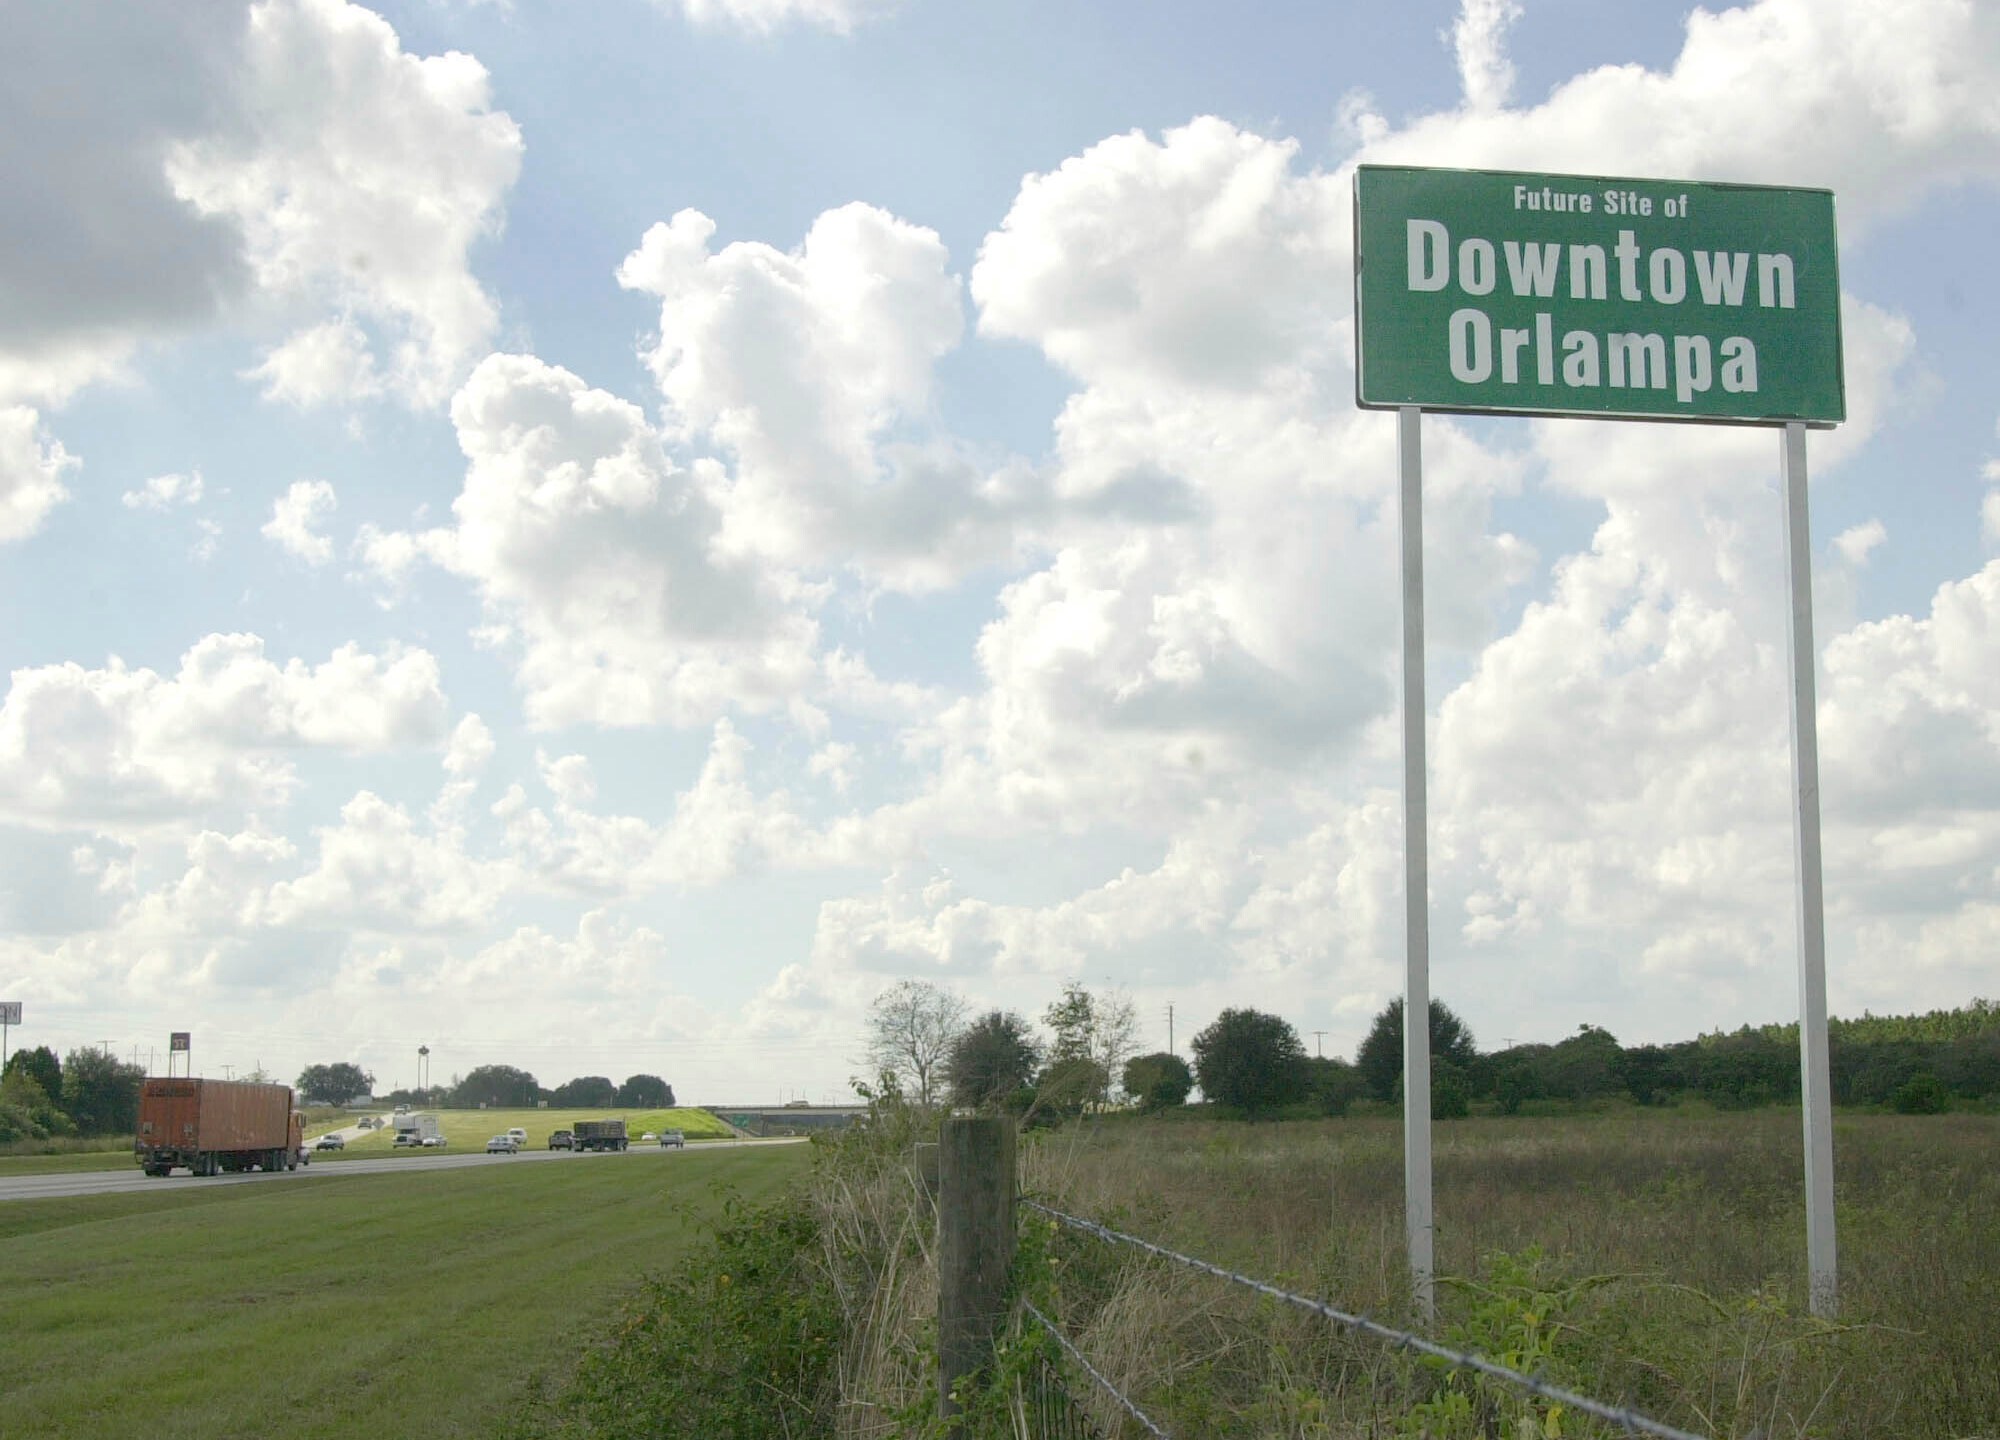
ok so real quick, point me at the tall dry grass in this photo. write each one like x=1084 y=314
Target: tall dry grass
x=1647 y=1257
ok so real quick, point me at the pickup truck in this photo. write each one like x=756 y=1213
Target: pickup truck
x=672 y=1140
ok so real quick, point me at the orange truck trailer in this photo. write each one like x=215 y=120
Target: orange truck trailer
x=209 y=1126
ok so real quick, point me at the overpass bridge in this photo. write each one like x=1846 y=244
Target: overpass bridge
x=791 y=1119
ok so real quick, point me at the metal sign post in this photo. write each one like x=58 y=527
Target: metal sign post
x=1815 y=1073
x=1416 y=874
x=1504 y=292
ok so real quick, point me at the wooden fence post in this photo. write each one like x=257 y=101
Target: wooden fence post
x=975 y=1244
x=927 y=1169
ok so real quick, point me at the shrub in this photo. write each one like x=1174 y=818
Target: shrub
x=1922 y=1094
x=1451 y=1098
x=739 y=1343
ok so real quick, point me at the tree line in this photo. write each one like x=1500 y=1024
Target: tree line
x=924 y=1041
x=87 y=1092
x=91 y=1092
x=507 y=1087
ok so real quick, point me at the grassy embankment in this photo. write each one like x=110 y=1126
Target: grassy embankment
x=471 y=1129
x=1654 y=1258
x=378 y=1305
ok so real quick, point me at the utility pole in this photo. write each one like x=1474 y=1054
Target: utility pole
x=229 y=1072
x=1318 y=1050
x=1170 y=1029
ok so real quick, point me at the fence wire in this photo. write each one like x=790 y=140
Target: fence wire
x=1633 y=1422
x=1091 y=1370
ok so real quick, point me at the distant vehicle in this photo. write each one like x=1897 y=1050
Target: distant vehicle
x=366 y=1122
x=406 y=1139
x=562 y=1140
x=672 y=1140
x=520 y=1136
x=433 y=1142
x=211 y=1126
x=600 y=1135
x=421 y=1126
x=329 y=1142
x=503 y=1145
x=649 y=1135
x=402 y=1109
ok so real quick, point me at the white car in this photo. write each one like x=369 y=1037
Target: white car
x=503 y=1145
x=520 y=1136
x=433 y=1142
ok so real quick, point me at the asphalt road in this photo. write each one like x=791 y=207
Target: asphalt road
x=125 y=1182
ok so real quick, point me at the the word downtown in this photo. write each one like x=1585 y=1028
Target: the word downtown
x=1586 y=359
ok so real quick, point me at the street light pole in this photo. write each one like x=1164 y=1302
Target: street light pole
x=423 y=1074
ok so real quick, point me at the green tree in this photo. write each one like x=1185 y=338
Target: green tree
x=1072 y=1020
x=1066 y=1087
x=1451 y=1097
x=646 y=1092
x=101 y=1092
x=41 y=1066
x=1380 y=1059
x=1332 y=1084
x=497 y=1086
x=1158 y=1082
x=1586 y=1065
x=586 y=1092
x=911 y=1027
x=1251 y=1060
x=991 y=1059
x=334 y=1084
x=27 y=1112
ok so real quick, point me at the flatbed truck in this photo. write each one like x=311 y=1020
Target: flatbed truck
x=600 y=1135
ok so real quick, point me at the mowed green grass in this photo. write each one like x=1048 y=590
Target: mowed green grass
x=471 y=1129
x=67 y=1164
x=376 y=1306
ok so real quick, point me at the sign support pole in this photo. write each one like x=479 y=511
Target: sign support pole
x=1816 y=1087
x=1416 y=874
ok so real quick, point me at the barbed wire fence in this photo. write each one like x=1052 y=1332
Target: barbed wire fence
x=1631 y=1421
x=978 y=1205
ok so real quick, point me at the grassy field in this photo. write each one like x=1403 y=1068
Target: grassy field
x=371 y=1306
x=1656 y=1255
x=471 y=1129
x=120 y=1159
x=1647 y=1257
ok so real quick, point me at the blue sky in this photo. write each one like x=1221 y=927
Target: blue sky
x=627 y=529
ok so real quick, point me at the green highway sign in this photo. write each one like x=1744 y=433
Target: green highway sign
x=1507 y=292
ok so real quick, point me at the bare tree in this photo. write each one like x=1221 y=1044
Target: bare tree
x=1116 y=1037
x=910 y=1028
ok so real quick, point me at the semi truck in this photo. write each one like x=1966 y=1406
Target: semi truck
x=212 y=1126
x=600 y=1134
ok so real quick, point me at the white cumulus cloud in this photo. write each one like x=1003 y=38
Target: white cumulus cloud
x=32 y=466
x=294 y=514
x=119 y=748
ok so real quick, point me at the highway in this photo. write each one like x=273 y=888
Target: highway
x=126 y=1182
